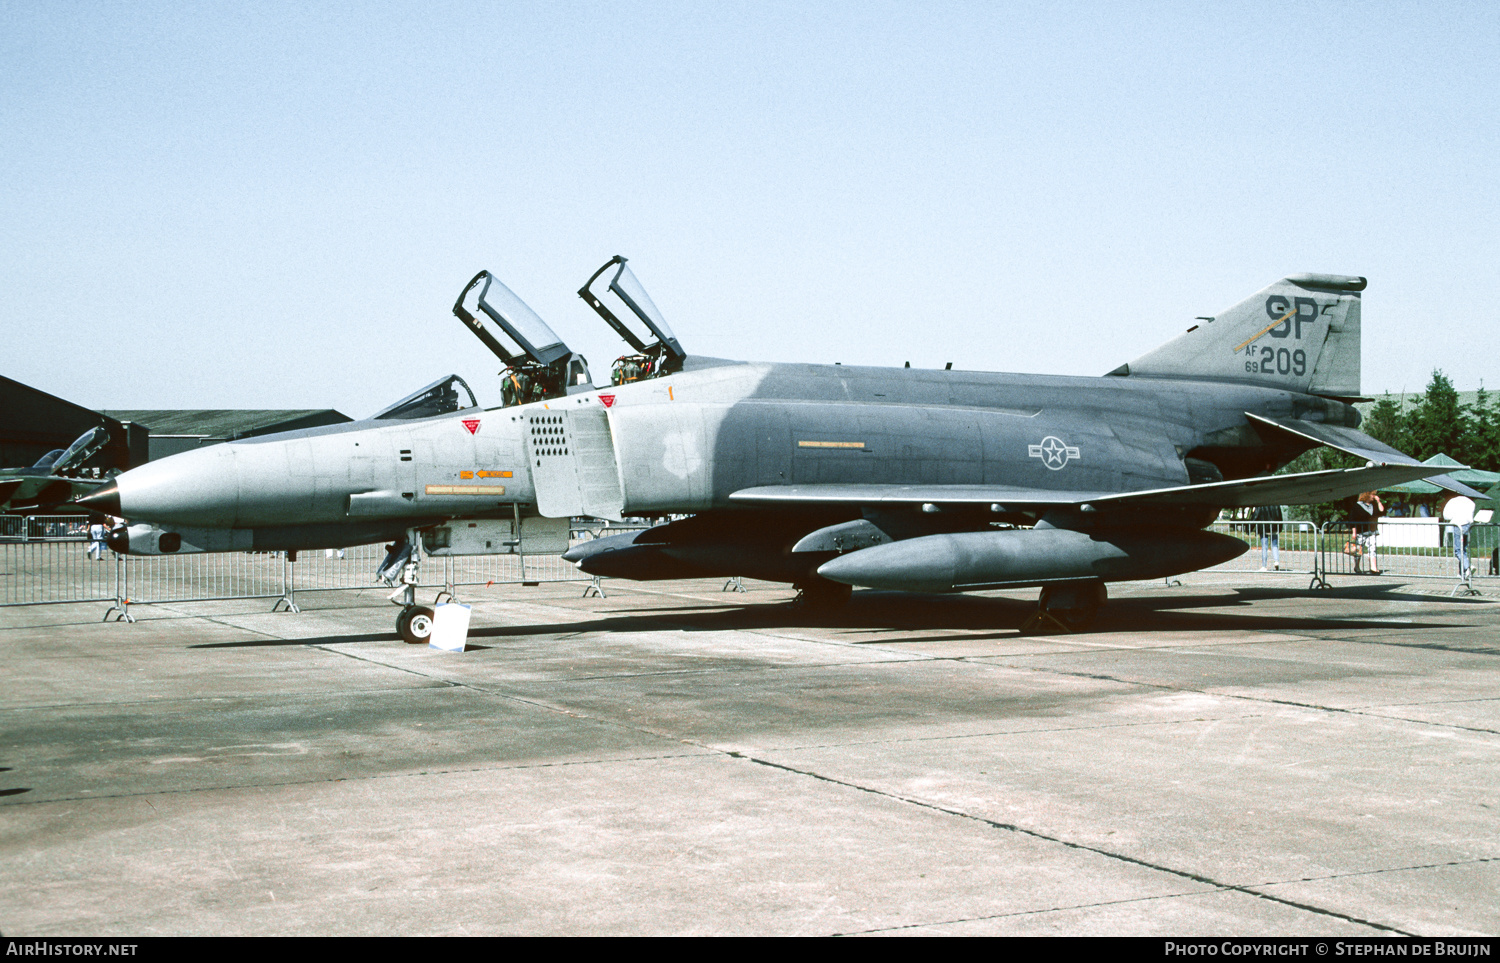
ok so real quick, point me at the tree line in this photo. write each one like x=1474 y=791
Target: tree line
x=1438 y=423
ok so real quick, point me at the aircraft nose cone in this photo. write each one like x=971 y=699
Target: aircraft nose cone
x=105 y=499
x=193 y=488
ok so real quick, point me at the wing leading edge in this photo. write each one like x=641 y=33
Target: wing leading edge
x=1299 y=489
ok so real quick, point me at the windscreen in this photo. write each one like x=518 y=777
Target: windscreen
x=439 y=398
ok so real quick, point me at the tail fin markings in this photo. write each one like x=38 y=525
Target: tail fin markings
x=1301 y=334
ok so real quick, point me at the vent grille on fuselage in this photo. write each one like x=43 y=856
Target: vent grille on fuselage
x=549 y=436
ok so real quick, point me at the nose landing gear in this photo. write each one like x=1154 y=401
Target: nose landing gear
x=414 y=622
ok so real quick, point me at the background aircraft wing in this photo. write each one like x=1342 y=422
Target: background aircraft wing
x=1299 y=489
x=1360 y=445
x=31 y=493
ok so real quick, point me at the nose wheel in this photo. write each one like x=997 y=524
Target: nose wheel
x=414 y=624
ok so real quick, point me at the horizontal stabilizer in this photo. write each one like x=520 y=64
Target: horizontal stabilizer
x=1360 y=445
x=1301 y=489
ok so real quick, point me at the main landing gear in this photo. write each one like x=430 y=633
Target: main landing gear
x=414 y=622
x=1070 y=607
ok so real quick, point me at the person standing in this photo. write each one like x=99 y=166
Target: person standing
x=1368 y=511
x=97 y=533
x=1458 y=511
x=1268 y=519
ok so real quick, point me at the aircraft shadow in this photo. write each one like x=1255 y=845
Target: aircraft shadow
x=988 y=618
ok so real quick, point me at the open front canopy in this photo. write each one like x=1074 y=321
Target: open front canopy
x=531 y=339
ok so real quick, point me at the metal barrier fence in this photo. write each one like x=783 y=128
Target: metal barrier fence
x=46 y=560
x=50 y=559
x=1290 y=547
x=1417 y=551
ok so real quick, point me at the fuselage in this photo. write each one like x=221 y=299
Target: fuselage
x=683 y=443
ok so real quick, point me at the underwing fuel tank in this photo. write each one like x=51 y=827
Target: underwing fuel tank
x=966 y=561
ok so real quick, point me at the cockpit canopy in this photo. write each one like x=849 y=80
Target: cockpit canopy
x=439 y=398
x=84 y=446
x=627 y=308
x=538 y=366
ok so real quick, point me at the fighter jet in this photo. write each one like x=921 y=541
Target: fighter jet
x=829 y=477
x=47 y=484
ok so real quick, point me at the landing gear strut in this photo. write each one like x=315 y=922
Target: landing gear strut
x=414 y=623
x=1066 y=608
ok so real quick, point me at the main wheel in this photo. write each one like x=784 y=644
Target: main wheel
x=414 y=624
x=1075 y=606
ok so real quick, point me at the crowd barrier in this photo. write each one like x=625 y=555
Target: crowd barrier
x=1290 y=547
x=1409 y=548
x=51 y=560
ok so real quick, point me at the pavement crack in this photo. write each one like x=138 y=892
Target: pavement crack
x=1032 y=912
x=231 y=787
x=1478 y=860
x=1082 y=847
x=1264 y=700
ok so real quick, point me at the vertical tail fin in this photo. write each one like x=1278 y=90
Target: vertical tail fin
x=1301 y=334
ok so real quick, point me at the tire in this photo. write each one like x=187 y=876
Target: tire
x=415 y=625
x=1075 y=606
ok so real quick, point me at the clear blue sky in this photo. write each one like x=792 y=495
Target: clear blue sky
x=275 y=204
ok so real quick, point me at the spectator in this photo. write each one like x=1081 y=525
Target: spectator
x=97 y=533
x=1459 y=512
x=1366 y=518
x=1268 y=520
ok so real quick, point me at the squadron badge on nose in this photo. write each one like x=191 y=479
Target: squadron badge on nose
x=1053 y=451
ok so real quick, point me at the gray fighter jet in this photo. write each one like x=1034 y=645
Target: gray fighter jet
x=824 y=476
x=50 y=482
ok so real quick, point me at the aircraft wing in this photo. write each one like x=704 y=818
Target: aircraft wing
x=1299 y=489
x=39 y=492
x=1360 y=445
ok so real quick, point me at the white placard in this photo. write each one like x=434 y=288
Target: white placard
x=450 y=627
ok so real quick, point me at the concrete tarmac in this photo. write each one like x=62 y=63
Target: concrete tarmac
x=1234 y=756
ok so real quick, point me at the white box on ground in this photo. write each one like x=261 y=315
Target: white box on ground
x=450 y=627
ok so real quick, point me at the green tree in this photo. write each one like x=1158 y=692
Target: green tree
x=1482 y=449
x=1386 y=423
x=1438 y=424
